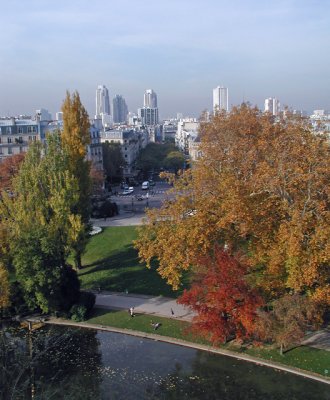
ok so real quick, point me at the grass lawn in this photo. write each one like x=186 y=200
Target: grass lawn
x=303 y=357
x=111 y=262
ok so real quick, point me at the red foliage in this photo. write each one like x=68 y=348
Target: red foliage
x=225 y=304
x=9 y=168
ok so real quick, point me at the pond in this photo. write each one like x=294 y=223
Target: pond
x=78 y=364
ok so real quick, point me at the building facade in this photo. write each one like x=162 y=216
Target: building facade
x=148 y=116
x=220 y=99
x=16 y=134
x=187 y=130
x=131 y=142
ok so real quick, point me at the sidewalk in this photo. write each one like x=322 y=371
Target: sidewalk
x=159 y=306
x=128 y=218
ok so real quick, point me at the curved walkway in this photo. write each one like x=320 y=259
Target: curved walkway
x=160 y=306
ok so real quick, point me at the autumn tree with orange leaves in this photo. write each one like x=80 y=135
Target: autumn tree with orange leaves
x=225 y=304
x=261 y=187
x=9 y=168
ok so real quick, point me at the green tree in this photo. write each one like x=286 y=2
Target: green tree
x=153 y=156
x=75 y=138
x=113 y=161
x=42 y=228
x=174 y=160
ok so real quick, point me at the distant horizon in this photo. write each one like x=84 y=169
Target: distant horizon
x=181 y=49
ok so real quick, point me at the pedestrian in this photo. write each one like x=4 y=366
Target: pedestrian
x=172 y=312
x=155 y=325
x=131 y=311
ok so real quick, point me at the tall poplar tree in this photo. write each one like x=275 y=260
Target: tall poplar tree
x=75 y=138
x=41 y=227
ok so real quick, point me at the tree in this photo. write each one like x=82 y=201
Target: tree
x=113 y=161
x=287 y=321
x=225 y=304
x=75 y=138
x=97 y=180
x=9 y=168
x=174 y=160
x=153 y=156
x=261 y=187
x=41 y=227
x=4 y=287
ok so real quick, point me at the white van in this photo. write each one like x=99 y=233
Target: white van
x=145 y=185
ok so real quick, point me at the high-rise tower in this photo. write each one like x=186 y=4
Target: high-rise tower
x=119 y=109
x=102 y=101
x=220 y=99
x=272 y=105
x=149 y=113
x=150 y=99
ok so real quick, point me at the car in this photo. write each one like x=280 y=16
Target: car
x=129 y=190
x=145 y=185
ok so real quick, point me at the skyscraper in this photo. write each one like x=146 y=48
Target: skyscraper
x=272 y=105
x=150 y=99
x=119 y=109
x=149 y=113
x=102 y=101
x=220 y=99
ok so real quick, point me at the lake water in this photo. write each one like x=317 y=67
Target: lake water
x=80 y=364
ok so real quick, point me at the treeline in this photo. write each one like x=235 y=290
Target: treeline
x=44 y=214
x=251 y=223
x=157 y=156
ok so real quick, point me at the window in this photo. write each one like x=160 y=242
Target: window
x=8 y=130
x=9 y=140
x=34 y=129
x=20 y=129
x=29 y=129
x=9 y=150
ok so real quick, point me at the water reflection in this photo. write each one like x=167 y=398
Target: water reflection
x=77 y=364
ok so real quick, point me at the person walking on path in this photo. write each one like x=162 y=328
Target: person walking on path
x=131 y=311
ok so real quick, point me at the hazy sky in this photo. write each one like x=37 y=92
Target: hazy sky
x=180 y=48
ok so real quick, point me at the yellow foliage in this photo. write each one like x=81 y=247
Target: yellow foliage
x=261 y=187
x=4 y=287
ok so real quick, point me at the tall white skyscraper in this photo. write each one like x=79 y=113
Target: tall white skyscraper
x=272 y=105
x=102 y=101
x=220 y=99
x=150 y=99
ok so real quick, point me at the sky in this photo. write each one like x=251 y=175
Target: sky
x=181 y=49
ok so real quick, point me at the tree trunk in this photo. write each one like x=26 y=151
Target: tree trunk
x=77 y=260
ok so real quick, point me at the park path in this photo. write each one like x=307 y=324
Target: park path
x=158 y=306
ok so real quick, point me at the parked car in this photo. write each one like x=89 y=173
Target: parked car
x=145 y=185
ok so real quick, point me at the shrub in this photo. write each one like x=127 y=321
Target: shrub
x=80 y=311
x=87 y=299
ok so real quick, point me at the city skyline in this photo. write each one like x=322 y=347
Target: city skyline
x=256 y=50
